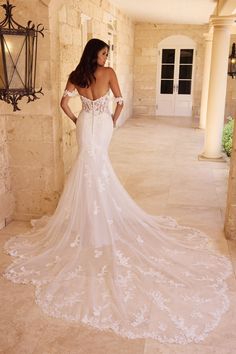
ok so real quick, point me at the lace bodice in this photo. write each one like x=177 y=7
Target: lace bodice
x=100 y=105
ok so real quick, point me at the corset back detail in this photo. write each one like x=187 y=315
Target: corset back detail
x=98 y=106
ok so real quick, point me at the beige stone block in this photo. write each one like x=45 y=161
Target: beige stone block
x=2 y=130
x=71 y=56
x=144 y=93
x=72 y=16
x=152 y=111
x=100 y=29
x=31 y=153
x=66 y=69
x=43 y=48
x=2 y=186
x=140 y=78
x=29 y=128
x=107 y=17
x=140 y=26
x=65 y=53
x=150 y=51
x=66 y=34
x=97 y=3
x=137 y=52
x=143 y=60
x=77 y=35
x=142 y=42
x=139 y=110
x=4 y=155
x=98 y=13
x=62 y=14
x=83 y=6
x=43 y=74
x=41 y=11
x=147 y=69
x=145 y=85
x=106 y=6
x=145 y=101
x=5 y=181
x=7 y=204
x=34 y=202
x=149 y=38
x=28 y=178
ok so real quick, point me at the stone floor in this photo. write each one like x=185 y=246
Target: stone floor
x=156 y=160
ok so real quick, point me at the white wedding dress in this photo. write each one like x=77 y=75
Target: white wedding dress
x=102 y=261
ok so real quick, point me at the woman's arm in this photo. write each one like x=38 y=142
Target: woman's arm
x=69 y=92
x=114 y=85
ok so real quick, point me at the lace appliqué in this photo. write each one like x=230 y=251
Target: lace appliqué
x=119 y=100
x=70 y=93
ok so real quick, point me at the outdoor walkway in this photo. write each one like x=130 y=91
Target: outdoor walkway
x=156 y=160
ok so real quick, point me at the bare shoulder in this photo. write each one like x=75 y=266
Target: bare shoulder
x=103 y=71
x=110 y=71
x=111 y=74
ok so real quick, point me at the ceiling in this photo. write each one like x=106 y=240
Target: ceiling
x=168 y=11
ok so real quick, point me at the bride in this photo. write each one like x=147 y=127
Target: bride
x=100 y=259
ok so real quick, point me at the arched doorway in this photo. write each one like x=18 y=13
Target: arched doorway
x=176 y=59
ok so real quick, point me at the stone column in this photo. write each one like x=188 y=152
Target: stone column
x=206 y=79
x=217 y=86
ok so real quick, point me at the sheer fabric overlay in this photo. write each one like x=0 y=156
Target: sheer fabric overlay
x=102 y=261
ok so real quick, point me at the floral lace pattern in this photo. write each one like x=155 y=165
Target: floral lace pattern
x=70 y=93
x=101 y=260
x=119 y=100
x=97 y=106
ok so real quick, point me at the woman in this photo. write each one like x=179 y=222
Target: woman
x=91 y=79
x=100 y=259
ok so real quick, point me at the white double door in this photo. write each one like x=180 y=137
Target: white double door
x=175 y=81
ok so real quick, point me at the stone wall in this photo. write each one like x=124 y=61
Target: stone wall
x=38 y=143
x=230 y=104
x=230 y=217
x=125 y=63
x=6 y=192
x=30 y=133
x=70 y=49
x=147 y=37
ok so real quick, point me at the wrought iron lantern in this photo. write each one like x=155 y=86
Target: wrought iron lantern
x=232 y=63
x=18 y=59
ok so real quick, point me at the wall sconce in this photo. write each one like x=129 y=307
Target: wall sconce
x=232 y=63
x=18 y=59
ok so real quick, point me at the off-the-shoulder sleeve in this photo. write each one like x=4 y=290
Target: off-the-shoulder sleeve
x=70 y=93
x=119 y=100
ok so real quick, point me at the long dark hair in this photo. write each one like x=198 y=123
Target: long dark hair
x=83 y=75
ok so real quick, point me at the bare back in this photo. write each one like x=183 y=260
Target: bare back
x=105 y=79
x=99 y=87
